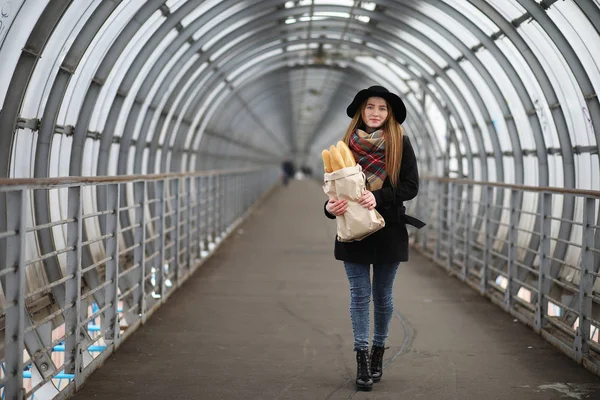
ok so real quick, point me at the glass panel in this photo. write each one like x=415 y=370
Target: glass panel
x=472 y=13
x=91 y=60
x=121 y=67
x=555 y=170
x=198 y=11
x=530 y=81
x=595 y=172
x=254 y=61
x=561 y=76
x=52 y=57
x=467 y=129
x=491 y=103
x=584 y=39
x=415 y=58
x=141 y=78
x=584 y=176
x=474 y=106
x=449 y=23
x=437 y=38
x=508 y=165
x=514 y=103
x=17 y=20
x=510 y=9
x=530 y=164
x=166 y=72
x=438 y=123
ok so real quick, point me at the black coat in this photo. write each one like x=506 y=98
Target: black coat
x=389 y=244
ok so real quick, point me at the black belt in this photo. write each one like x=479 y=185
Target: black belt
x=410 y=220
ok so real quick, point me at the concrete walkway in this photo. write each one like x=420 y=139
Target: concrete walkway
x=267 y=318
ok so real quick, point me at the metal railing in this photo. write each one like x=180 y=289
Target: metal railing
x=534 y=251
x=120 y=247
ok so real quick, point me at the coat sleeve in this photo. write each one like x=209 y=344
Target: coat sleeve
x=327 y=213
x=408 y=181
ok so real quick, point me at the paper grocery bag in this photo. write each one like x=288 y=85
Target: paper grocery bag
x=357 y=222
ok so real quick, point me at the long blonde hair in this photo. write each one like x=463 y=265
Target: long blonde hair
x=393 y=134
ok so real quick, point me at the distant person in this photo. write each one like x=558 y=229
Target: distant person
x=306 y=170
x=386 y=156
x=288 y=171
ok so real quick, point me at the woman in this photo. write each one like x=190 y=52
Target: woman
x=386 y=156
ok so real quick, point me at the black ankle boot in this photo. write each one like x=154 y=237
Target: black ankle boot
x=377 y=362
x=363 y=371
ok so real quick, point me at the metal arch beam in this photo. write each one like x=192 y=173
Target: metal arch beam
x=97 y=82
x=370 y=49
x=148 y=49
x=485 y=74
x=587 y=90
x=89 y=102
x=575 y=64
x=265 y=71
x=261 y=92
x=356 y=73
x=288 y=12
x=21 y=78
x=259 y=101
x=285 y=12
x=9 y=115
x=490 y=44
x=558 y=116
x=354 y=44
x=591 y=11
x=266 y=83
x=184 y=37
x=473 y=121
x=492 y=85
x=284 y=62
x=237 y=63
x=506 y=65
x=45 y=237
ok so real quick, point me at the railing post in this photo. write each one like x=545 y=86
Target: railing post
x=161 y=206
x=427 y=212
x=451 y=218
x=204 y=216
x=176 y=184
x=139 y=237
x=73 y=353
x=440 y=226
x=586 y=281
x=487 y=248
x=468 y=242
x=198 y=218
x=214 y=210
x=111 y=244
x=15 y=296
x=513 y=232
x=541 y=307
x=188 y=223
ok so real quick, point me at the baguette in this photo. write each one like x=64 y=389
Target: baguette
x=337 y=162
x=346 y=154
x=326 y=155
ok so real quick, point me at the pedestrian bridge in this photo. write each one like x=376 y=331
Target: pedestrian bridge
x=149 y=250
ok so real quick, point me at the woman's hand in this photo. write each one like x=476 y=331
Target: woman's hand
x=337 y=207
x=368 y=200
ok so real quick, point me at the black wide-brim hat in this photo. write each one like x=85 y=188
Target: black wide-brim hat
x=395 y=102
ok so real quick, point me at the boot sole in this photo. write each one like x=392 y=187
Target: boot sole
x=375 y=380
x=364 y=388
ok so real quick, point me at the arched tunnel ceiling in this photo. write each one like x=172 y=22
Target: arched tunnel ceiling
x=499 y=90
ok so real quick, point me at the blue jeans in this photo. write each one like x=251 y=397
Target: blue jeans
x=359 y=276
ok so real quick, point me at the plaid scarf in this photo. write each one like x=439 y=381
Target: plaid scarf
x=369 y=151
